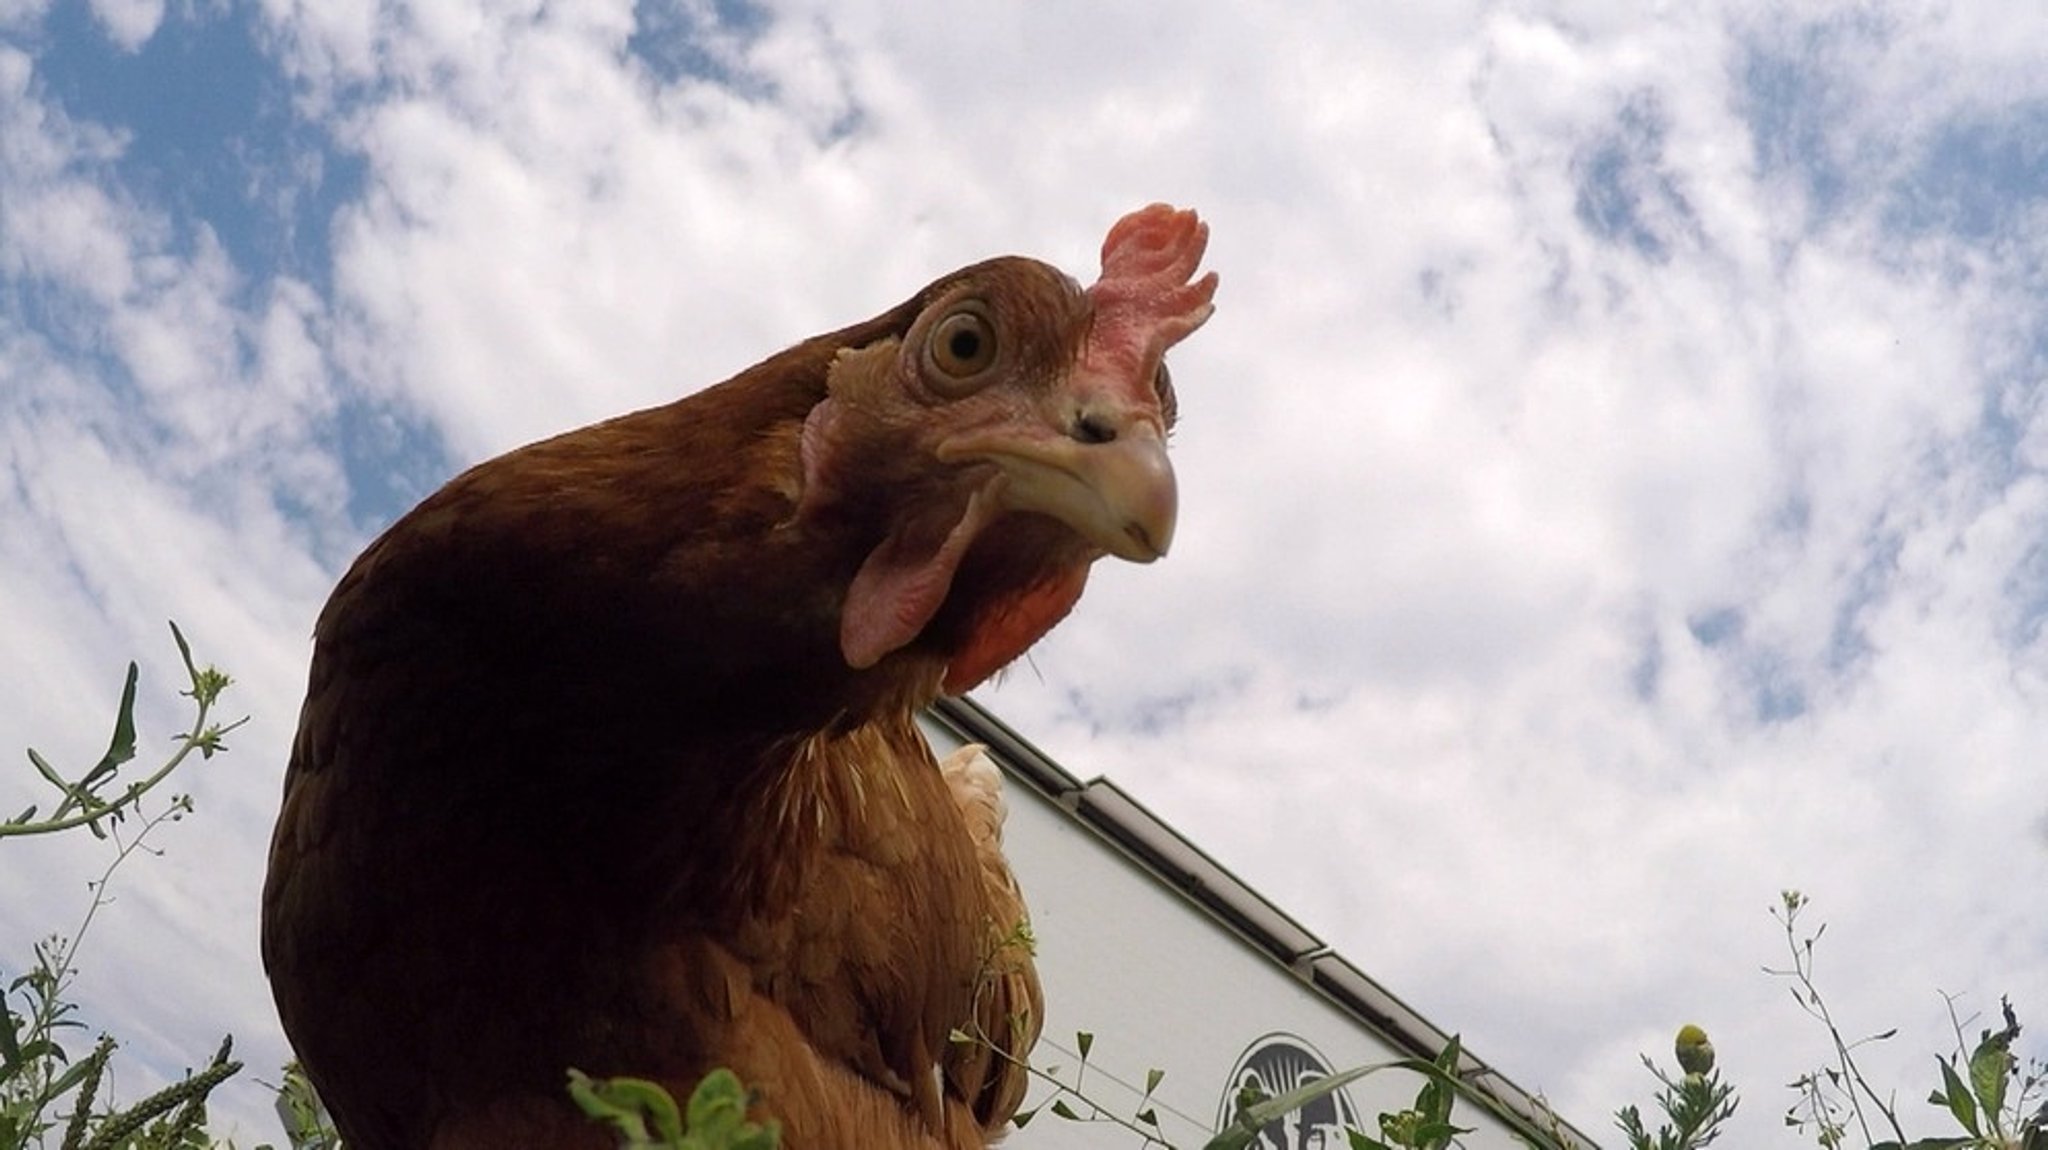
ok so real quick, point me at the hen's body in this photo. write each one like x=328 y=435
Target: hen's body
x=608 y=760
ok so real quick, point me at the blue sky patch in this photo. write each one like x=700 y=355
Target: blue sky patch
x=212 y=134
x=1796 y=93
x=393 y=459
x=678 y=41
x=1979 y=178
x=1713 y=628
x=1626 y=194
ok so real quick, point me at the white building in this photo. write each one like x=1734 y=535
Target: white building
x=1172 y=964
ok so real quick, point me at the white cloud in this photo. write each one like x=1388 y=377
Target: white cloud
x=129 y=23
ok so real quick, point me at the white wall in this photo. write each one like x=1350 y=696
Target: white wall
x=1161 y=984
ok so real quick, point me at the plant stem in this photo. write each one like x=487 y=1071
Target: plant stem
x=206 y=687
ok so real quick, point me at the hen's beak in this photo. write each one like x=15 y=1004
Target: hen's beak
x=1107 y=477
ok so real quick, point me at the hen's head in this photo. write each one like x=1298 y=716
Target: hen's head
x=1010 y=435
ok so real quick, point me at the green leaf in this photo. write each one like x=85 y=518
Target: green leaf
x=1060 y=1107
x=718 y=1108
x=184 y=648
x=1436 y=1096
x=1253 y=1118
x=39 y=1049
x=121 y=747
x=1152 y=1080
x=1230 y=1138
x=1023 y=1118
x=1436 y=1133
x=600 y=1100
x=1447 y=1059
x=10 y=1043
x=1988 y=1067
x=1433 y=1102
x=1084 y=1042
x=1956 y=1097
x=49 y=772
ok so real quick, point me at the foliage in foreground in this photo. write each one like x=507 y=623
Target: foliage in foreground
x=53 y=1096
x=646 y=1117
x=47 y=1090
x=1694 y=1105
x=1992 y=1096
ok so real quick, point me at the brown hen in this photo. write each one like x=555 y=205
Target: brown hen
x=608 y=758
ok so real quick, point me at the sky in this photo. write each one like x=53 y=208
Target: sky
x=1614 y=486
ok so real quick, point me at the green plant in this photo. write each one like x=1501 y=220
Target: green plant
x=1985 y=1088
x=1424 y=1126
x=307 y=1125
x=1427 y=1124
x=1833 y=1096
x=1981 y=1095
x=646 y=1116
x=1695 y=1104
x=1071 y=1101
x=45 y=1092
x=85 y=801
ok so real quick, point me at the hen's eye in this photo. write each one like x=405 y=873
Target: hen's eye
x=960 y=346
x=964 y=343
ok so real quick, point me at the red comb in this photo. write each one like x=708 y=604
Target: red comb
x=1144 y=302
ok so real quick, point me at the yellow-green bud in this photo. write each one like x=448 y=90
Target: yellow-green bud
x=1695 y=1053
